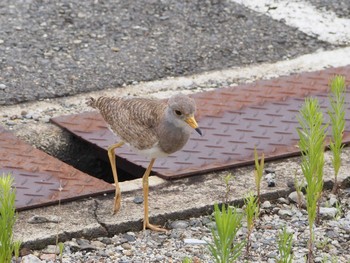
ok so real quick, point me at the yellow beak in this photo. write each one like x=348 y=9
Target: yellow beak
x=193 y=123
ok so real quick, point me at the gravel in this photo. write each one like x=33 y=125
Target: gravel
x=188 y=238
x=59 y=48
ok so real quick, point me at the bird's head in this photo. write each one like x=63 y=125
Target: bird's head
x=183 y=108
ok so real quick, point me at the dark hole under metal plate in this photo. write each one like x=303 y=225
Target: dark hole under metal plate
x=38 y=177
x=234 y=120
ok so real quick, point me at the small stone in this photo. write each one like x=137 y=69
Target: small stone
x=318 y=259
x=272 y=255
x=82 y=242
x=270 y=179
x=293 y=196
x=98 y=244
x=119 y=248
x=36 y=116
x=1 y=41
x=193 y=241
x=46 y=119
x=266 y=205
x=328 y=212
x=283 y=200
x=115 y=49
x=138 y=200
x=48 y=257
x=81 y=15
x=332 y=234
x=283 y=213
x=206 y=220
x=333 y=201
x=10 y=123
x=51 y=249
x=88 y=248
x=13 y=117
x=77 y=41
x=129 y=238
x=2 y=86
x=28 y=115
x=37 y=220
x=25 y=251
x=106 y=240
x=126 y=246
x=30 y=259
x=127 y=253
x=179 y=224
x=72 y=245
x=344 y=223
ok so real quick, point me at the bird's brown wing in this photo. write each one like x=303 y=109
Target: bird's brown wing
x=134 y=120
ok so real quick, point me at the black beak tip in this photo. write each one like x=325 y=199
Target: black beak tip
x=199 y=131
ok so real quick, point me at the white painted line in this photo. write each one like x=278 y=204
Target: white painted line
x=325 y=25
x=306 y=63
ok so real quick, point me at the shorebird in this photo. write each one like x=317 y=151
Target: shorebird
x=150 y=127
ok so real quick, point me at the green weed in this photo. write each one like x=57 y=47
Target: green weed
x=16 y=249
x=337 y=117
x=252 y=212
x=187 y=260
x=258 y=173
x=285 y=243
x=61 y=247
x=225 y=248
x=312 y=136
x=7 y=218
x=227 y=180
x=298 y=184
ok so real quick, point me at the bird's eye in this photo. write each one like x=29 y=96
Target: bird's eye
x=178 y=113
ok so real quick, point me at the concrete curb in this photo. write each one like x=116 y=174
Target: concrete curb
x=169 y=200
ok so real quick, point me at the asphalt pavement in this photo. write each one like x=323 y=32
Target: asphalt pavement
x=52 y=49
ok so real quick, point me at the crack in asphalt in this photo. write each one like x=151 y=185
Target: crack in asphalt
x=94 y=213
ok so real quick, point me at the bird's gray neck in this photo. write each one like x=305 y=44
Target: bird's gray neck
x=173 y=134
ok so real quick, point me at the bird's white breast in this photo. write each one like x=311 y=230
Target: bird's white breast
x=154 y=152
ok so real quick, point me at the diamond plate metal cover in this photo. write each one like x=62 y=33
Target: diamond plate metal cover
x=234 y=120
x=39 y=176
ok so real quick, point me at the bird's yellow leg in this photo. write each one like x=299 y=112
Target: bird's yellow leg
x=118 y=196
x=146 y=223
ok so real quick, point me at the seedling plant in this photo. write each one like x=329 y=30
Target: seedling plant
x=285 y=243
x=252 y=212
x=224 y=247
x=7 y=219
x=337 y=118
x=312 y=136
x=16 y=249
x=258 y=173
x=298 y=184
x=227 y=180
x=59 y=245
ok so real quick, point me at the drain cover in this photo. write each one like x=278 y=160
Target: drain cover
x=234 y=120
x=39 y=176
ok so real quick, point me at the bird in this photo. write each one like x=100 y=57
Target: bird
x=150 y=127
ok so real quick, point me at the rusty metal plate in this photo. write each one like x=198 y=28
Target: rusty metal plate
x=39 y=176
x=234 y=120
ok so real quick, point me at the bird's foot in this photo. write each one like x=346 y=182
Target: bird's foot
x=117 y=203
x=157 y=228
